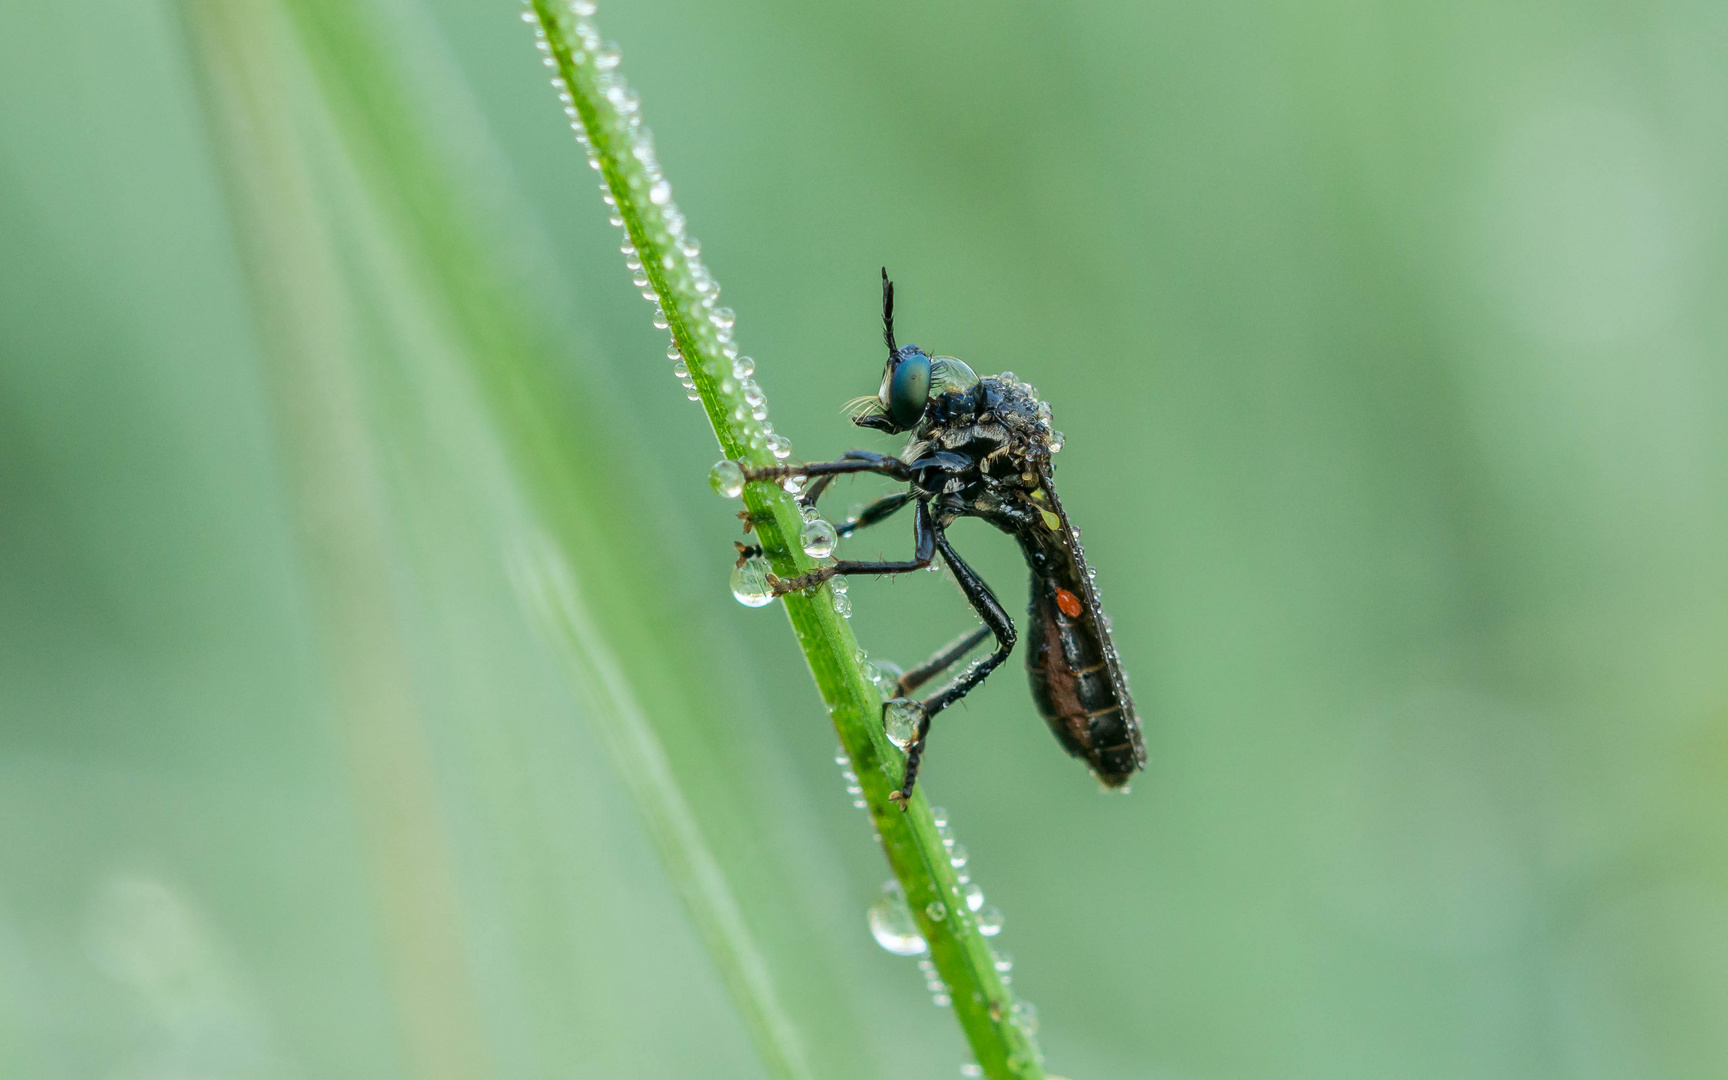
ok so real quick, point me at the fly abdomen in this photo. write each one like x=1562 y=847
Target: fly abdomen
x=1074 y=682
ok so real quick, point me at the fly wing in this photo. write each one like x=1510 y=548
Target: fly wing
x=1077 y=678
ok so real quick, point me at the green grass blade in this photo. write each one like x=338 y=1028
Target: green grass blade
x=607 y=117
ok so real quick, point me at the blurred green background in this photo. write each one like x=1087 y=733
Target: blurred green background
x=1388 y=341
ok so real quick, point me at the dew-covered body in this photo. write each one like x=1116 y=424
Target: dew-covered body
x=981 y=447
x=987 y=455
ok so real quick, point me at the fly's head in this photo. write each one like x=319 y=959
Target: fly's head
x=916 y=387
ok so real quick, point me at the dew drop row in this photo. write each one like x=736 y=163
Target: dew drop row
x=709 y=352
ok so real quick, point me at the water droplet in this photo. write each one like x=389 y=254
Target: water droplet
x=661 y=193
x=818 y=538
x=1001 y=961
x=936 y=910
x=843 y=605
x=743 y=367
x=1008 y=377
x=1025 y=1016
x=660 y=322
x=974 y=896
x=725 y=318
x=780 y=446
x=727 y=478
x=681 y=369
x=750 y=582
x=891 y=922
x=941 y=1001
x=957 y=855
x=1056 y=441
x=753 y=394
x=791 y=485
x=938 y=816
x=971 y=1069
x=990 y=920
x=900 y=723
x=886 y=675
x=839 y=586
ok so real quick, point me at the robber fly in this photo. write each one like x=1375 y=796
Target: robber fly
x=981 y=448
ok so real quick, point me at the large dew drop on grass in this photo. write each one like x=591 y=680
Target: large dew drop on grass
x=818 y=539
x=750 y=582
x=727 y=478
x=891 y=922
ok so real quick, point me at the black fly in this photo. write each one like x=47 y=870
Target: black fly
x=981 y=448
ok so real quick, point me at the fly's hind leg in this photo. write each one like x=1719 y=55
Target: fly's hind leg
x=996 y=620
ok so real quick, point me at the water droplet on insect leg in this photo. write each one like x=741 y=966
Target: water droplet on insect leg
x=750 y=582
x=891 y=922
x=900 y=723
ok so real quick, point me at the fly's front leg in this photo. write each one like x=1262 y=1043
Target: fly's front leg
x=854 y=461
x=984 y=602
x=924 y=552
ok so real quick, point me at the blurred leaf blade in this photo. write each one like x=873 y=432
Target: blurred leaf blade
x=450 y=294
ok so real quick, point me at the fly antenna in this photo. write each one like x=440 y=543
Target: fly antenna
x=888 y=313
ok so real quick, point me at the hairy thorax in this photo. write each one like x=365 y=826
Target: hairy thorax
x=983 y=453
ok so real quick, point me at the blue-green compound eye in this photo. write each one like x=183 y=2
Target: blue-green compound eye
x=909 y=388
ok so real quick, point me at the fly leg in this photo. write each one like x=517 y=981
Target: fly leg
x=984 y=602
x=853 y=461
x=925 y=543
x=876 y=512
x=939 y=663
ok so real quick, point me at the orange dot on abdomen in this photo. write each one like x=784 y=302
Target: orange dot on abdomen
x=1068 y=602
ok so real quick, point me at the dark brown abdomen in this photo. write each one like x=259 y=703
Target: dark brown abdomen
x=1074 y=682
